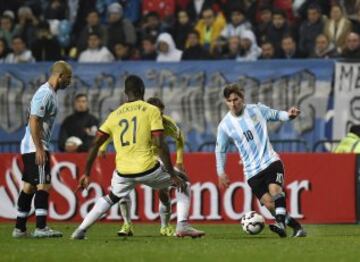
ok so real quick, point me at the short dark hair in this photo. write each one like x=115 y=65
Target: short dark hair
x=279 y=12
x=79 y=95
x=194 y=32
x=355 y=129
x=233 y=88
x=155 y=101
x=97 y=34
x=134 y=86
x=314 y=6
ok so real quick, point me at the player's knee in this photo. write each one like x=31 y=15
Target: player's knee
x=269 y=204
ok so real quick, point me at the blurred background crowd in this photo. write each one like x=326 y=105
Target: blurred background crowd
x=175 y=30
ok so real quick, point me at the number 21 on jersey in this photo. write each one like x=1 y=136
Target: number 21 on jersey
x=125 y=125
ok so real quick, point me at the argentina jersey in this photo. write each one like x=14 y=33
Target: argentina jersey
x=44 y=106
x=250 y=135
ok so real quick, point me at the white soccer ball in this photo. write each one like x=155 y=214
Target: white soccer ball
x=252 y=223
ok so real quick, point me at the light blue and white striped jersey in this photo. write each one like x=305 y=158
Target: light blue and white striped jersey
x=250 y=135
x=43 y=105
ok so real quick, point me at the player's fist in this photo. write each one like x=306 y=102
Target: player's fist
x=224 y=181
x=293 y=112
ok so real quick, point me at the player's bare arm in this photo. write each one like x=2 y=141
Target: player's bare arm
x=93 y=151
x=35 y=128
x=293 y=112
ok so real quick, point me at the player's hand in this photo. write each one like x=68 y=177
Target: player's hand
x=224 y=181
x=293 y=112
x=40 y=157
x=84 y=182
x=179 y=183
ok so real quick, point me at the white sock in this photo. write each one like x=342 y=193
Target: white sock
x=183 y=204
x=125 y=209
x=165 y=213
x=102 y=205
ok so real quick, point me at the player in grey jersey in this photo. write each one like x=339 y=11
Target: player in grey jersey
x=35 y=153
x=246 y=126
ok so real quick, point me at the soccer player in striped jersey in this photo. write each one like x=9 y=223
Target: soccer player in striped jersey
x=170 y=130
x=35 y=153
x=134 y=127
x=246 y=126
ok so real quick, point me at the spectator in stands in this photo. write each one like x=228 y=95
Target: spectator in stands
x=323 y=48
x=45 y=47
x=352 y=46
x=167 y=51
x=78 y=130
x=27 y=24
x=195 y=8
x=120 y=29
x=310 y=29
x=56 y=9
x=264 y=23
x=152 y=25
x=20 y=53
x=267 y=51
x=233 y=48
x=337 y=27
x=210 y=27
x=238 y=24
x=300 y=7
x=93 y=25
x=194 y=50
x=7 y=28
x=148 y=50
x=249 y=50
x=289 y=48
x=350 y=7
x=125 y=52
x=4 y=50
x=277 y=30
x=182 y=28
x=96 y=52
x=351 y=142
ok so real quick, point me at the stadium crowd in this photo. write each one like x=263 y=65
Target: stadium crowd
x=175 y=30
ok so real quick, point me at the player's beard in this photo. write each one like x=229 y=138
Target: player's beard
x=62 y=85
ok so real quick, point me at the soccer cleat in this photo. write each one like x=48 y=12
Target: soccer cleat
x=278 y=229
x=300 y=232
x=78 y=234
x=185 y=230
x=46 y=232
x=17 y=233
x=167 y=231
x=127 y=230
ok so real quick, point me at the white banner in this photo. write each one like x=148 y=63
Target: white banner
x=347 y=98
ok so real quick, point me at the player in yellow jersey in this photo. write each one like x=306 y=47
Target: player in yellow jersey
x=170 y=130
x=134 y=127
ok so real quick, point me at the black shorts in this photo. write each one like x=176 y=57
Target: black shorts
x=273 y=174
x=34 y=174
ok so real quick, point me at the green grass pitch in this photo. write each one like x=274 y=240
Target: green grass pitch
x=222 y=243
